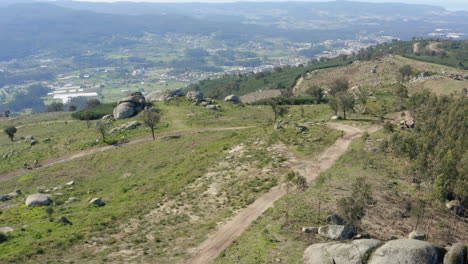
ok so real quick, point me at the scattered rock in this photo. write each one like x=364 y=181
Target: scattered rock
x=195 y=96
x=374 y=71
x=336 y=219
x=340 y=253
x=407 y=251
x=417 y=235
x=362 y=236
x=130 y=106
x=310 y=230
x=33 y=142
x=71 y=200
x=70 y=183
x=336 y=118
x=15 y=193
x=4 y=197
x=232 y=98
x=29 y=138
x=38 y=199
x=63 y=220
x=97 y=201
x=108 y=118
x=127 y=126
x=301 y=128
x=455 y=206
x=164 y=95
x=211 y=107
x=336 y=232
x=457 y=254
x=425 y=74
x=6 y=229
x=46 y=140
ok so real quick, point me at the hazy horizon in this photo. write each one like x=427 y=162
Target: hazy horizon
x=450 y=5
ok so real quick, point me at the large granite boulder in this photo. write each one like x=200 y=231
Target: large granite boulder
x=457 y=254
x=355 y=252
x=130 y=106
x=38 y=199
x=164 y=95
x=336 y=232
x=407 y=251
x=232 y=98
x=194 y=96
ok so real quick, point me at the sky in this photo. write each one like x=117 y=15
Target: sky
x=448 y=4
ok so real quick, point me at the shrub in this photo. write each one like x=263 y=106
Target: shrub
x=95 y=112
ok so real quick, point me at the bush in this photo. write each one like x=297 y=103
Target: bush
x=95 y=112
x=389 y=127
x=3 y=238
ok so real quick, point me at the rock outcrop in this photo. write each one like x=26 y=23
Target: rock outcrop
x=194 y=96
x=38 y=199
x=232 y=98
x=373 y=251
x=457 y=254
x=164 y=95
x=130 y=106
x=355 y=252
x=336 y=232
x=407 y=251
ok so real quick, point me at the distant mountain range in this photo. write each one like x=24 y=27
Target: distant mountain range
x=69 y=27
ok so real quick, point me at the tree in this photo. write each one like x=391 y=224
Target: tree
x=345 y=102
x=55 y=107
x=316 y=92
x=72 y=108
x=10 y=131
x=405 y=71
x=338 y=85
x=353 y=207
x=296 y=181
x=101 y=128
x=7 y=113
x=278 y=110
x=333 y=103
x=92 y=103
x=151 y=119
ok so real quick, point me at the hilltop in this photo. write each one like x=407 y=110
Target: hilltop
x=255 y=180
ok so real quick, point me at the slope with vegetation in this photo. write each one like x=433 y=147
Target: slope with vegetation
x=156 y=192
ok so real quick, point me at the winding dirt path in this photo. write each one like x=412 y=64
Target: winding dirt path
x=79 y=154
x=231 y=230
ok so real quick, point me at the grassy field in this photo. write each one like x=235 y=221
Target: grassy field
x=67 y=135
x=163 y=197
x=277 y=238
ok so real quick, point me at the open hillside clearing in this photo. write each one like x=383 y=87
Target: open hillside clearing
x=217 y=242
x=360 y=74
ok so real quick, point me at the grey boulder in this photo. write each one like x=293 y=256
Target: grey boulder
x=457 y=254
x=407 y=251
x=195 y=96
x=130 y=106
x=417 y=235
x=232 y=98
x=336 y=232
x=38 y=199
x=336 y=219
x=97 y=201
x=164 y=95
x=355 y=252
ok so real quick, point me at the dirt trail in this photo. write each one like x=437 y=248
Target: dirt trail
x=230 y=231
x=83 y=153
x=434 y=46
